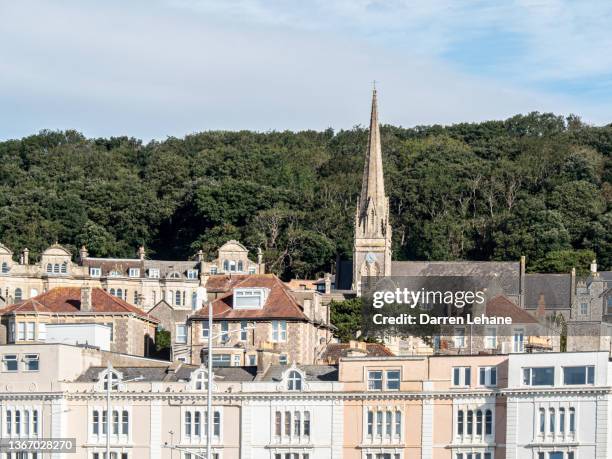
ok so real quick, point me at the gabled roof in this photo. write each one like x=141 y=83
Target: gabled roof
x=67 y=300
x=220 y=283
x=280 y=304
x=500 y=306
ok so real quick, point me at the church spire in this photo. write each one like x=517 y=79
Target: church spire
x=373 y=185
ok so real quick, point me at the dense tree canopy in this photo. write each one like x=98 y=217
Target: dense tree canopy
x=537 y=185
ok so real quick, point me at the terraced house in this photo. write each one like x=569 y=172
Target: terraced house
x=517 y=406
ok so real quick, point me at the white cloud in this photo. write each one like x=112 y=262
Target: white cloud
x=154 y=69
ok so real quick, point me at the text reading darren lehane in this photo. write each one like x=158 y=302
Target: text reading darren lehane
x=407 y=298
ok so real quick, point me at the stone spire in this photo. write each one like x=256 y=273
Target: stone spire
x=372 y=245
x=372 y=206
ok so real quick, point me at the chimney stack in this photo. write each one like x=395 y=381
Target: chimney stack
x=86 y=302
x=328 y=283
x=200 y=255
x=25 y=256
x=594 y=272
x=83 y=253
x=141 y=252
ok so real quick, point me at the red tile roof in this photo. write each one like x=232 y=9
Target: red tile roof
x=279 y=304
x=68 y=300
x=220 y=283
x=335 y=351
x=500 y=306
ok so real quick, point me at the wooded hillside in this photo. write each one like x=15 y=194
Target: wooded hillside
x=536 y=185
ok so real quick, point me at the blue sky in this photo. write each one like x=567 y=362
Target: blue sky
x=159 y=68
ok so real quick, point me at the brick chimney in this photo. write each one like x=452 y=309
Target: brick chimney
x=86 y=302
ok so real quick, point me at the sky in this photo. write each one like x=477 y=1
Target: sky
x=157 y=68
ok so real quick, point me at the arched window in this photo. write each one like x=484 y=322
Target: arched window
x=460 y=422
x=56 y=268
x=114 y=378
x=5 y=267
x=177 y=298
x=294 y=381
x=232 y=266
x=488 y=422
x=479 y=422
x=470 y=420
x=49 y=268
x=64 y=267
x=225 y=265
x=201 y=381
x=240 y=266
x=112 y=291
x=18 y=295
x=120 y=293
x=188 y=423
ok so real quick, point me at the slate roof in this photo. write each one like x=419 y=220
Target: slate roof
x=122 y=265
x=553 y=289
x=280 y=304
x=68 y=300
x=312 y=372
x=163 y=373
x=220 y=283
x=506 y=272
x=500 y=306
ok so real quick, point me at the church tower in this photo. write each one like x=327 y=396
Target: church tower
x=372 y=246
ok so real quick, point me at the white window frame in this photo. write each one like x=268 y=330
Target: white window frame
x=27 y=358
x=192 y=274
x=465 y=376
x=180 y=338
x=279 y=331
x=95 y=271
x=153 y=273
x=134 y=272
x=13 y=358
x=530 y=369
x=488 y=372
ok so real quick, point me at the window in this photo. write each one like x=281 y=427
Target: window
x=35 y=422
x=572 y=420
x=393 y=379
x=42 y=331
x=174 y=275
x=459 y=337
x=306 y=423
x=491 y=338
x=64 y=268
x=115 y=422
x=278 y=423
x=115 y=273
x=542 y=420
x=18 y=295
x=462 y=376
x=252 y=270
x=252 y=360
x=236 y=360
x=114 y=380
x=224 y=336
x=250 y=298
x=487 y=376
x=31 y=362
x=243 y=330
x=470 y=422
x=282 y=359
x=9 y=362
x=181 y=333
x=551 y=422
x=518 y=341
x=479 y=422
x=294 y=381
x=562 y=420
x=584 y=308
x=578 y=375
x=375 y=380
x=5 y=267
x=205 y=330
x=95 y=272
x=21 y=333
x=488 y=422
x=154 y=273
x=542 y=376
x=134 y=272
x=194 y=300
x=188 y=423
x=177 y=298
x=30 y=331
x=221 y=360
x=125 y=422
x=192 y=274
x=279 y=330
x=213 y=270
x=460 y=422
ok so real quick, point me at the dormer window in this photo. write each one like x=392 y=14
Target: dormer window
x=154 y=273
x=294 y=380
x=95 y=272
x=199 y=380
x=111 y=375
x=114 y=273
x=174 y=275
x=250 y=298
x=134 y=272
x=192 y=274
